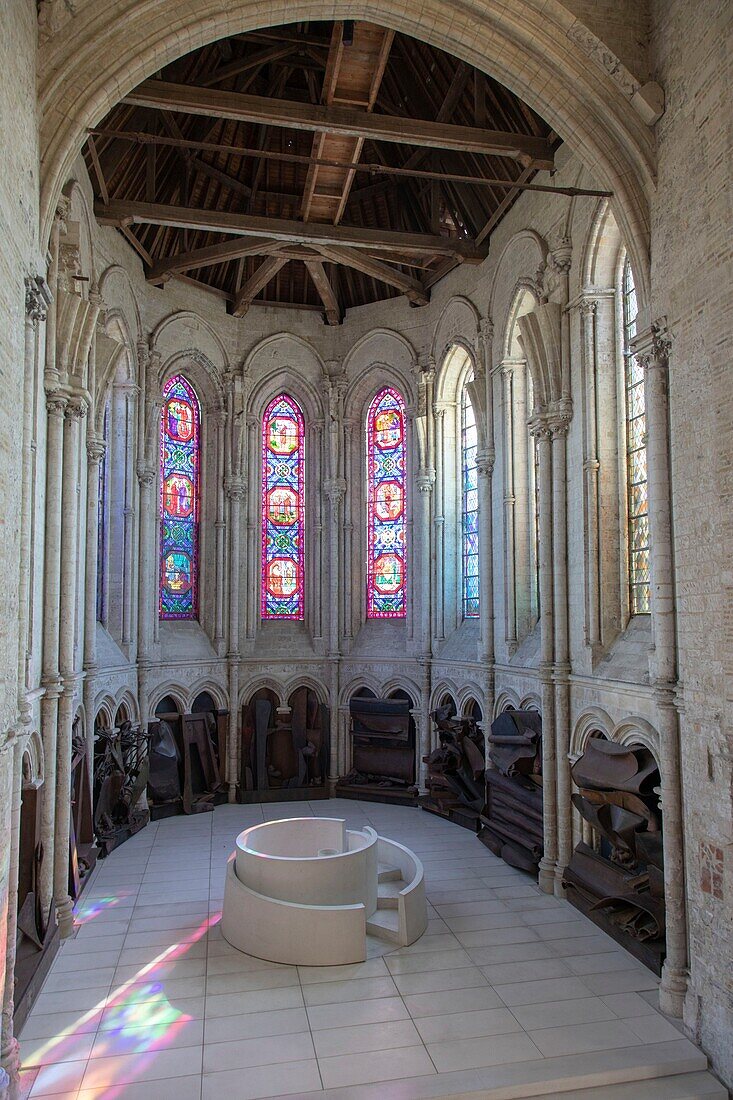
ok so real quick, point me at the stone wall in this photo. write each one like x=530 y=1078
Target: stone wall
x=692 y=272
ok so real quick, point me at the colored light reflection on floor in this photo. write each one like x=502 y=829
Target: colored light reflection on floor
x=93 y=908
x=140 y=1016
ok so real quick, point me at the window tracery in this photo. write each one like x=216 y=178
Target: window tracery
x=386 y=493
x=469 y=507
x=636 y=457
x=282 y=510
x=179 y=500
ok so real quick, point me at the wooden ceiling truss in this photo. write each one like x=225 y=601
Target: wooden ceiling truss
x=308 y=168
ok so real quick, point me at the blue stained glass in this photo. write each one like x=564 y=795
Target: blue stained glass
x=636 y=472
x=179 y=500
x=469 y=510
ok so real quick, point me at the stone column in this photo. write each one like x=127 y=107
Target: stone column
x=652 y=348
x=9 y=1048
x=95 y=453
x=147 y=477
x=439 y=624
x=424 y=482
x=235 y=491
x=51 y=679
x=75 y=410
x=591 y=467
x=540 y=429
x=485 y=461
x=220 y=533
x=335 y=491
x=561 y=670
x=510 y=607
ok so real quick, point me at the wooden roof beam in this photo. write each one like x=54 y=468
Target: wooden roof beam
x=357 y=259
x=122 y=212
x=163 y=269
x=326 y=292
x=165 y=96
x=267 y=270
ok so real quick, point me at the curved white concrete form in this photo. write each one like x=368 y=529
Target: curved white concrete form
x=309 y=890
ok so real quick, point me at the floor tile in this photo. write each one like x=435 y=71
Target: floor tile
x=365 y=1037
x=555 y=1042
x=621 y=981
x=357 y=1012
x=582 y=1010
x=322 y=993
x=261 y=1081
x=526 y=971
x=550 y=989
x=260 y=1051
x=261 y=1000
x=467 y=1025
x=356 y=1069
x=429 y=961
x=179 y=1088
x=628 y=1004
x=454 y=1000
x=473 y=1053
x=251 y=1025
x=466 y=977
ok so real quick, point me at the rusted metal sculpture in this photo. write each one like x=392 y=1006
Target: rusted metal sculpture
x=383 y=752
x=120 y=780
x=284 y=749
x=184 y=766
x=511 y=819
x=619 y=883
x=455 y=779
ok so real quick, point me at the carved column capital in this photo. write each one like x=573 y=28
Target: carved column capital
x=146 y=475
x=56 y=402
x=96 y=449
x=37 y=299
x=652 y=347
x=235 y=488
x=588 y=307
x=425 y=481
x=76 y=408
x=335 y=489
x=485 y=463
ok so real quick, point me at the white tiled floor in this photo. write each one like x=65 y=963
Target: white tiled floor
x=148 y=1000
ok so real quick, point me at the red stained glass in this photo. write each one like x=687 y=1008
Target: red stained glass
x=386 y=465
x=282 y=510
x=179 y=493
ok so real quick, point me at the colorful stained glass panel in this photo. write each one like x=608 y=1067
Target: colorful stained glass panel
x=386 y=521
x=469 y=512
x=179 y=500
x=282 y=510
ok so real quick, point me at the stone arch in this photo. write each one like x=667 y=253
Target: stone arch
x=531 y=701
x=200 y=371
x=523 y=300
x=444 y=687
x=356 y=685
x=259 y=682
x=506 y=700
x=592 y=719
x=385 y=351
x=468 y=699
x=585 y=93
x=81 y=214
x=601 y=249
x=310 y=682
x=33 y=762
x=402 y=683
x=458 y=324
x=634 y=730
x=176 y=692
x=217 y=693
x=126 y=699
x=286 y=380
x=276 y=348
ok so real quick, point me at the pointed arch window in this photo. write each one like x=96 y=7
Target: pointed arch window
x=180 y=461
x=386 y=496
x=636 y=459
x=469 y=506
x=283 y=444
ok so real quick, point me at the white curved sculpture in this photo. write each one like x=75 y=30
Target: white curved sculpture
x=308 y=890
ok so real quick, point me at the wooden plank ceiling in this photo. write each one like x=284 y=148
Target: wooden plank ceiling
x=316 y=165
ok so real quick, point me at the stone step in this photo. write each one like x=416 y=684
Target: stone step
x=683 y=1086
x=387 y=901
x=384 y=924
x=385 y=873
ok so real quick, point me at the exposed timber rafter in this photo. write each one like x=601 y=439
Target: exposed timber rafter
x=357 y=259
x=215 y=103
x=126 y=213
x=240 y=247
x=326 y=292
x=267 y=270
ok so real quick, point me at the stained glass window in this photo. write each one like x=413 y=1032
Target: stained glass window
x=386 y=463
x=282 y=510
x=179 y=500
x=636 y=476
x=469 y=509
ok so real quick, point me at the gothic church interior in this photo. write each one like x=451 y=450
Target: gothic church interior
x=367 y=454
